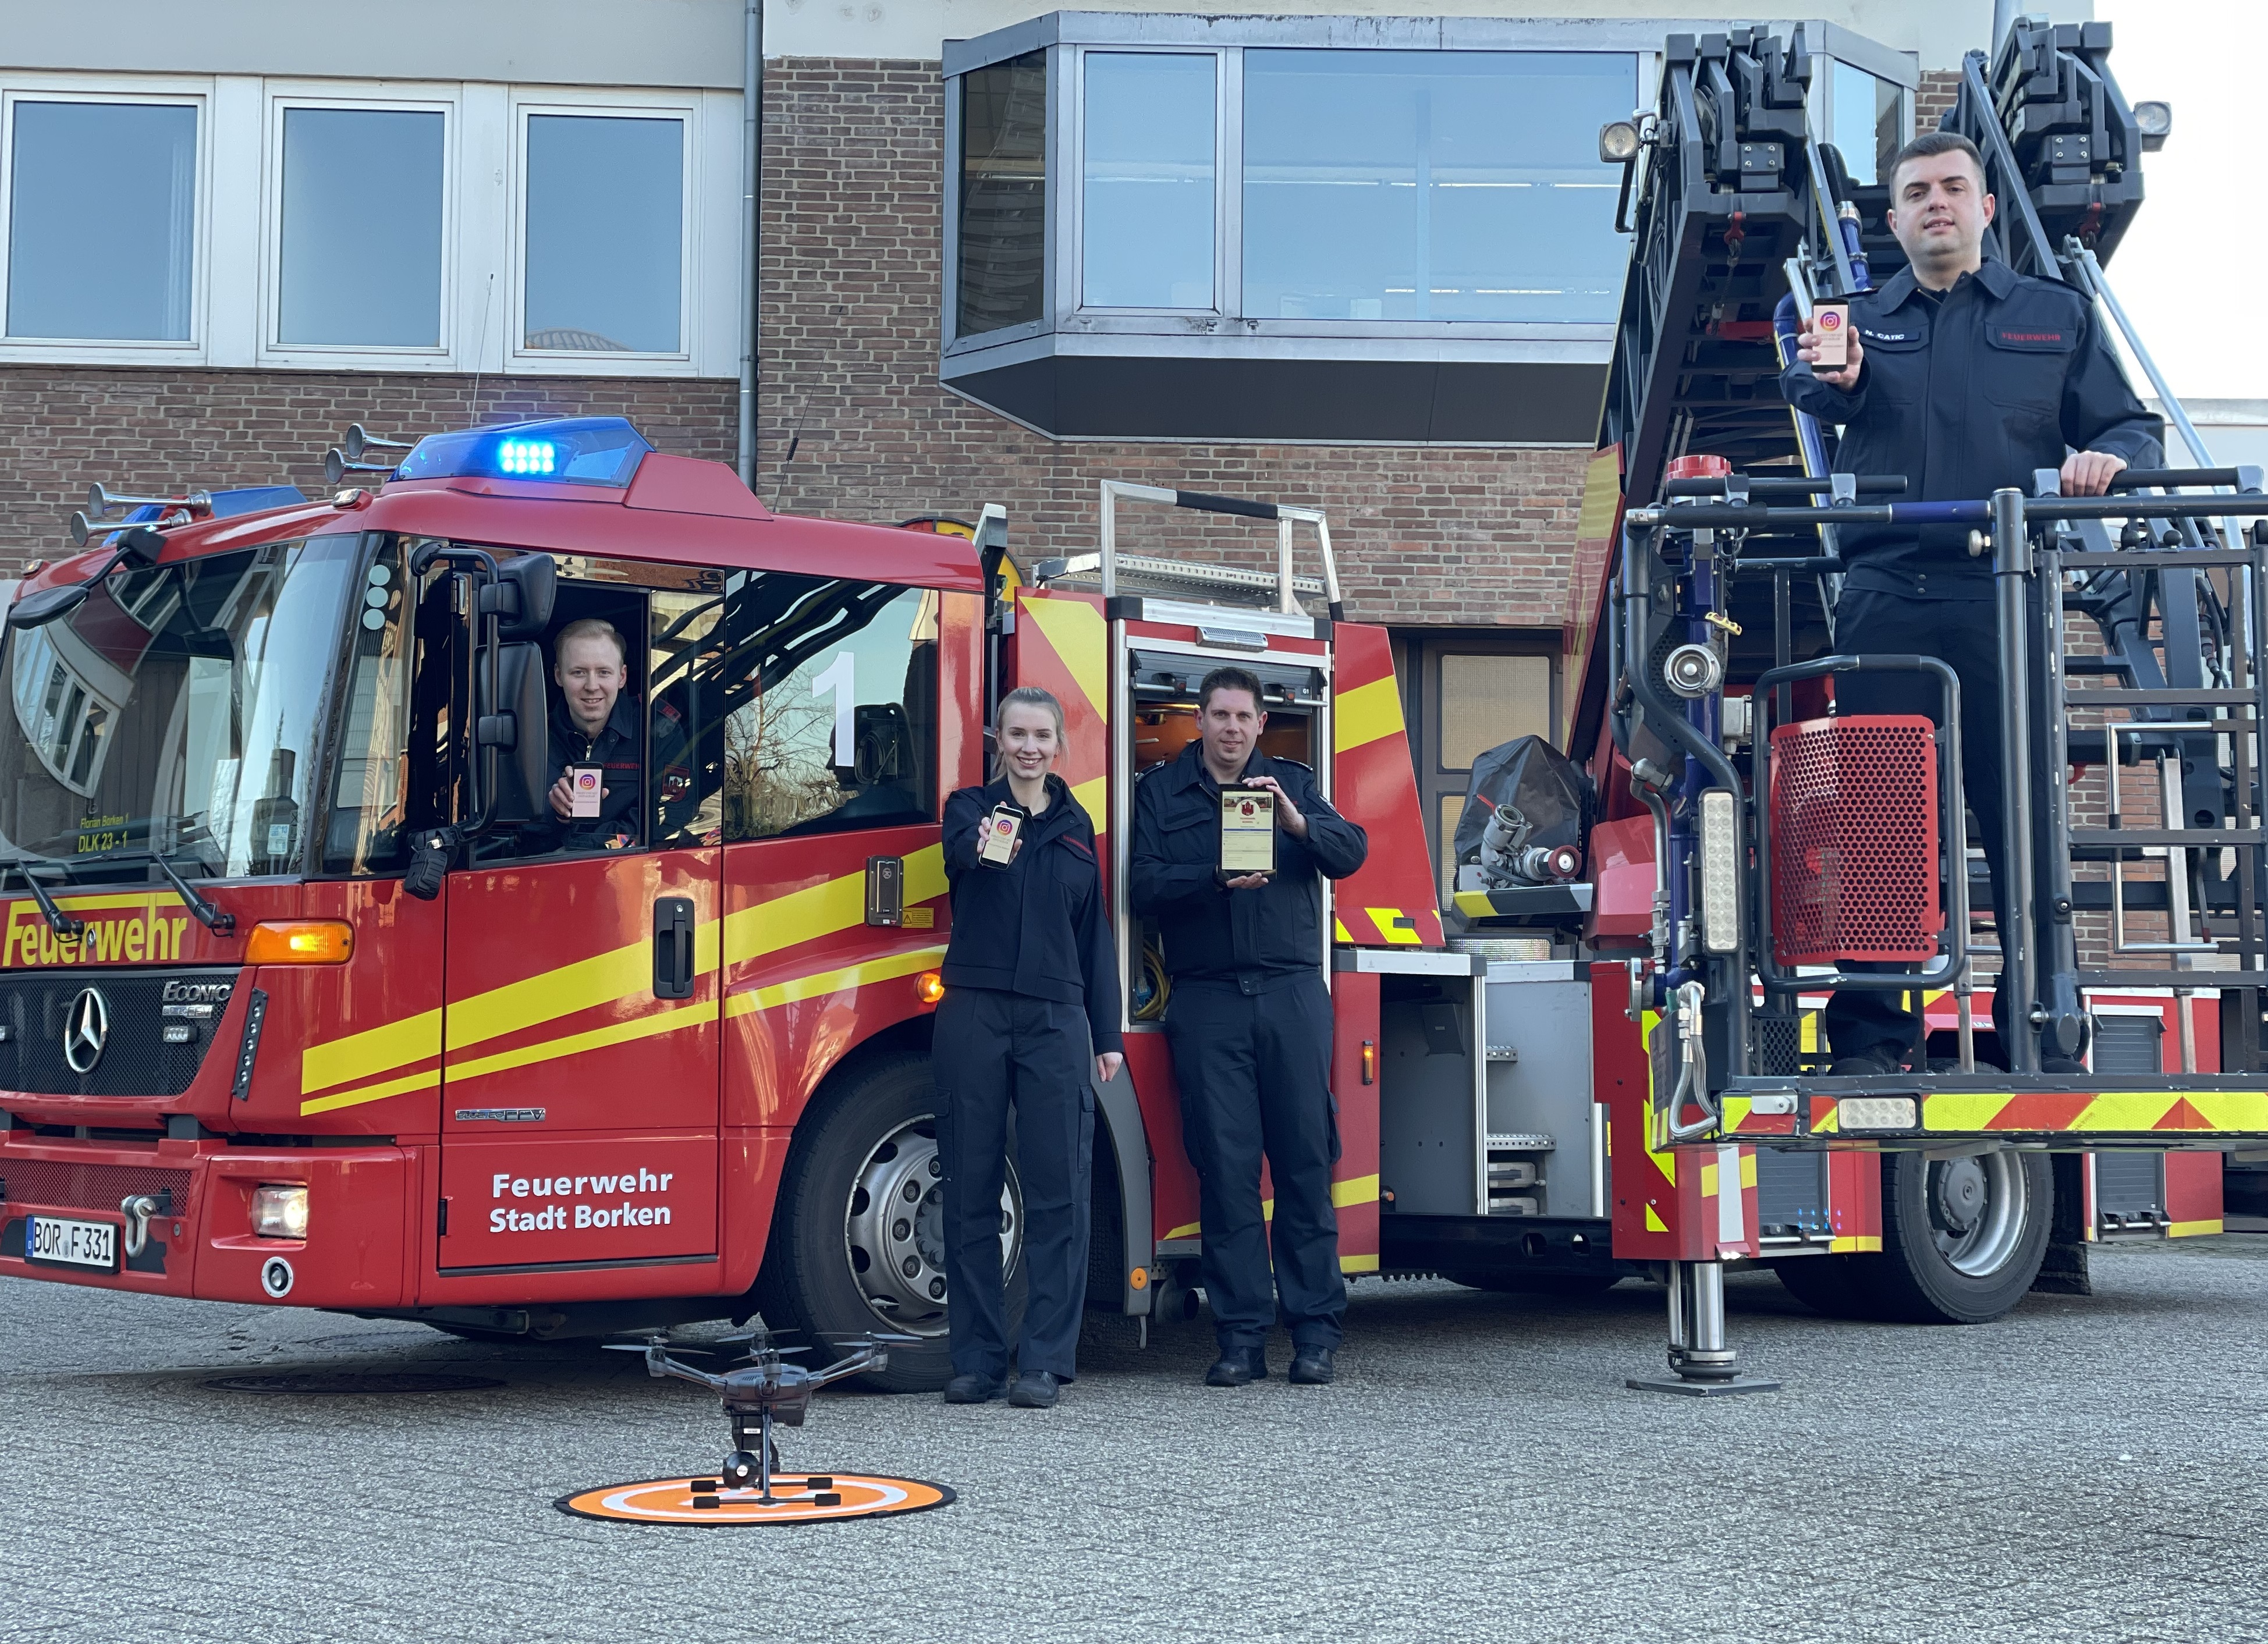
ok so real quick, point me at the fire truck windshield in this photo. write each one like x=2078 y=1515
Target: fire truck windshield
x=178 y=710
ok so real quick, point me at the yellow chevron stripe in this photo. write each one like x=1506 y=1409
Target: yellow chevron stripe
x=1653 y=1222
x=1708 y=1181
x=1074 y=630
x=1366 y=713
x=430 y=1080
x=1339 y=929
x=1093 y=798
x=840 y=981
x=1357 y=1263
x=150 y=899
x=1391 y=927
x=1962 y=1110
x=1187 y=1230
x=1748 y=1168
x=1356 y=1189
x=1856 y=1243
x=666 y=1021
x=821 y=909
x=2192 y=1230
x=359 y=1055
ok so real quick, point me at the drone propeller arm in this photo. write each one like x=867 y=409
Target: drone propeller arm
x=861 y=1359
x=659 y=1363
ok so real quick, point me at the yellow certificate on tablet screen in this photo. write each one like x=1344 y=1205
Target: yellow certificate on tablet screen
x=1248 y=832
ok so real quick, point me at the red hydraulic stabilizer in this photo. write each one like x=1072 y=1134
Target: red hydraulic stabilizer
x=1854 y=840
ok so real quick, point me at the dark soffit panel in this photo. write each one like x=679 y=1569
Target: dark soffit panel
x=1259 y=401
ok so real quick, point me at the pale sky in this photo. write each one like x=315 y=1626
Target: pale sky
x=2186 y=268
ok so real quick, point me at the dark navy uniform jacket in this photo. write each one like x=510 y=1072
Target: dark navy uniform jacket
x=1261 y=938
x=618 y=747
x=1036 y=926
x=1964 y=395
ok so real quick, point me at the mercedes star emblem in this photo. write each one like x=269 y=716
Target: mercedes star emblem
x=86 y=1030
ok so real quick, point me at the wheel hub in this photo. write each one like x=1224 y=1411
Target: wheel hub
x=894 y=1231
x=1977 y=1208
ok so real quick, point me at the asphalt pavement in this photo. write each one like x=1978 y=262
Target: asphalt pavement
x=2087 y=1466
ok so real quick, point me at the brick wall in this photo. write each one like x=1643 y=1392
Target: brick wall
x=853 y=182
x=1933 y=98
x=853 y=237
x=162 y=431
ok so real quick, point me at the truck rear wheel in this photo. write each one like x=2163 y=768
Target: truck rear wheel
x=858 y=1239
x=1962 y=1239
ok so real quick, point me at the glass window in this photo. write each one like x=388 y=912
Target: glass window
x=1004 y=148
x=1147 y=188
x=178 y=709
x=369 y=794
x=605 y=233
x=1488 y=699
x=361 y=265
x=102 y=221
x=1868 y=121
x=818 y=697
x=1431 y=185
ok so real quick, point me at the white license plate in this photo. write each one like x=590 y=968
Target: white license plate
x=71 y=1243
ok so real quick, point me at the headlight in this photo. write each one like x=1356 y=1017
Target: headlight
x=279 y=1212
x=1618 y=142
x=2155 y=122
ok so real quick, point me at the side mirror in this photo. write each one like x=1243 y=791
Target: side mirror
x=37 y=610
x=526 y=584
x=518 y=726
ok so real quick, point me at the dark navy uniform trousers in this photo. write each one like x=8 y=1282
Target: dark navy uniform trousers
x=1255 y=1074
x=1965 y=635
x=995 y=1051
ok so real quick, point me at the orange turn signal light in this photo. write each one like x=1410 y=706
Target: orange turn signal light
x=299 y=942
x=1370 y=1061
x=929 y=987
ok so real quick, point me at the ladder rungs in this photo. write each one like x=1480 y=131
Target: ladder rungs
x=2161 y=558
x=2138 y=696
x=2168 y=835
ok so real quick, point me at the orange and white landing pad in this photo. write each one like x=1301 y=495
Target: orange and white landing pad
x=798 y=1498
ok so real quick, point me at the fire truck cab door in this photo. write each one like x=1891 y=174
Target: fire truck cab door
x=578 y=1104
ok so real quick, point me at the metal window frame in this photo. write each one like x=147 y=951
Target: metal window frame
x=1069 y=203
x=192 y=92
x=528 y=106
x=281 y=97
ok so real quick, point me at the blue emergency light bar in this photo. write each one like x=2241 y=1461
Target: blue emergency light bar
x=573 y=451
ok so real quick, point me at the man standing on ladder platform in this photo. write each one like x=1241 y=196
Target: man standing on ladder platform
x=1965 y=377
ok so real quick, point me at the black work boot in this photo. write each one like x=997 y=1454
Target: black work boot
x=1873 y=1063
x=1238 y=1365
x=1311 y=1366
x=1036 y=1390
x=974 y=1389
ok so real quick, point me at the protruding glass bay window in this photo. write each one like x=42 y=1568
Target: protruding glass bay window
x=1287 y=228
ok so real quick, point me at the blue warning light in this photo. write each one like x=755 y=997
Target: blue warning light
x=531 y=457
x=568 y=450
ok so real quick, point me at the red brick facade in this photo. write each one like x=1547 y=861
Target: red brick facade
x=853 y=238
x=1933 y=98
x=853 y=186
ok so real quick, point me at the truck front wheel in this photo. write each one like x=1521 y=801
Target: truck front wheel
x=858 y=1239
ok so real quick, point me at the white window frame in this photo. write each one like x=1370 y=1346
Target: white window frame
x=282 y=96
x=563 y=362
x=107 y=234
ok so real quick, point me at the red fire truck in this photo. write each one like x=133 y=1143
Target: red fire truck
x=299 y=1001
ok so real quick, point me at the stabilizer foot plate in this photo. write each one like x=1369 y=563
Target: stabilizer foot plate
x=1667 y=1384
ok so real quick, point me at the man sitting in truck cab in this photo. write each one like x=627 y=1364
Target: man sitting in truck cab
x=595 y=722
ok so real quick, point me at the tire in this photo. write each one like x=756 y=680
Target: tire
x=1828 y=1283
x=1962 y=1239
x=834 y=1266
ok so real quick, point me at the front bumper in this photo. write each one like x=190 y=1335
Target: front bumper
x=199 y=1242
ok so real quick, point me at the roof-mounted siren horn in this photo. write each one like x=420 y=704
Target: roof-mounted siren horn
x=171 y=510
x=345 y=458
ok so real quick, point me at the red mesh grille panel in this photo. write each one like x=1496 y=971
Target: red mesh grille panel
x=1854 y=840
x=54 y=1185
